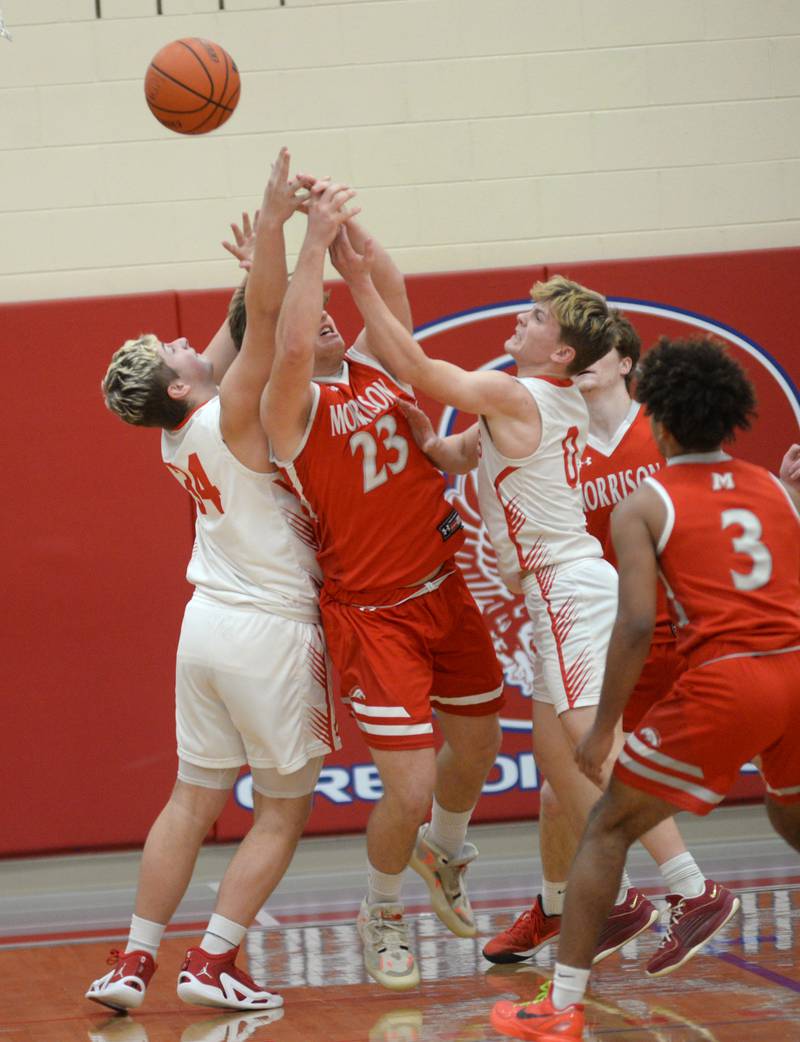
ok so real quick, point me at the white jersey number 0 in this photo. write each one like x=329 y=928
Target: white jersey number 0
x=394 y=442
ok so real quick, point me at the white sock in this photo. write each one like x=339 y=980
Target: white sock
x=682 y=876
x=553 y=897
x=222 y=935
x=569 y=986
x=448 y=829
x=145 y=935
x=623 y=888
x=383 y=887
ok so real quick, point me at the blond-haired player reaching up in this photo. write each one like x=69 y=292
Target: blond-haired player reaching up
x=527 y=444
x=251 y=677
x=621 y=452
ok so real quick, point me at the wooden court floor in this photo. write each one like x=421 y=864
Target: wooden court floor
x=744 y=988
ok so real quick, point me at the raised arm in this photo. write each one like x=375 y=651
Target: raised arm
x=287 y=400
x=387 y=278
x=454 y=454
x=632 y=525
x=485 y=391
x=240 y=390
x=222 y=349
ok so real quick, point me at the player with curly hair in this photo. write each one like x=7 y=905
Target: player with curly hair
x=723 y=536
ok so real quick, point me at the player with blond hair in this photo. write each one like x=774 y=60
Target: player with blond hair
x=527 y=445
x=620 y=453
x=252 y=683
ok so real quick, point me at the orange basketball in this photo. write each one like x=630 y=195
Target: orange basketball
x=192 y=86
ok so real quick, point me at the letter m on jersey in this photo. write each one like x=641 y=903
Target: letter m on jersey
x=721 y=481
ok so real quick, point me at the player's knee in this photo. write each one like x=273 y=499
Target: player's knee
x=548 y=802
x=412 y=801
x=785 y=819
x=485 y=741
x=286 y=816
x=610 y=818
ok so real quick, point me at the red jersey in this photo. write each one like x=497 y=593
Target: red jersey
x=382 y=519
x=729 y=557
x=610 y=471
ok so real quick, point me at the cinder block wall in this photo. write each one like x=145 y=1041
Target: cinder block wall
x=480 y=133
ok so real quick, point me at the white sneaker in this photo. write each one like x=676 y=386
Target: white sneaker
x=216 y=980
x=387 y=957
x=445 y=879
x=124 y=987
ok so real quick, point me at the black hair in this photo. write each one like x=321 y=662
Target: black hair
x=697 y=391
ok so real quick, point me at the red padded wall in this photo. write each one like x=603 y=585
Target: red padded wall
x=96 y=535
x=94 y=540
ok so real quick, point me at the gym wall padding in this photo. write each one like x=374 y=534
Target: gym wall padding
x=96 y=534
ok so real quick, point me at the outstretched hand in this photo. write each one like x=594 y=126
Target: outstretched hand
x=790 y=468
x=244 y=240
x=350 y=264
x=282 y=197
x=328 y=210
x=592 y=753
x=421 y=427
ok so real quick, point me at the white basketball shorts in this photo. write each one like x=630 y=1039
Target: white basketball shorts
x=251 y=687
x=573 y=608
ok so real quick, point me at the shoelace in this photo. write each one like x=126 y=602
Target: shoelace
x=390 y=933
x=114 y=956
x=526 y=924
x=544 y=991
x=676 y=915
x=450 y=875
x=521 y=926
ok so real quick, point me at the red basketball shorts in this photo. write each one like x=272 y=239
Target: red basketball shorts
x=659 y=674
x=689 y=747
x=397 y=663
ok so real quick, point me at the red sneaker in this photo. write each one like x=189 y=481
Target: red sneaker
x=216 y=980
x=124 y=987
x=538 y=1020
x=692 y=922
x=627 y=920
x=530 y=931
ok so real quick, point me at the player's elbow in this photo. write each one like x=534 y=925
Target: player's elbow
x=635 y=626
x=292 y=348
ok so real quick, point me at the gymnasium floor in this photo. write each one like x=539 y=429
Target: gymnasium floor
x=60 y=916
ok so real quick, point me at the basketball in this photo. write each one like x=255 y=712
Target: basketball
x=192 y=86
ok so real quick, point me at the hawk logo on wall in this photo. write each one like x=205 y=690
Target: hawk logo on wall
x=504 y=612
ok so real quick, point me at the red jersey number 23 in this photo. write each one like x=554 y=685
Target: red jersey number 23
x=364 y=443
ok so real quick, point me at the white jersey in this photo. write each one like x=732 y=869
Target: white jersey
x=253 y=545
x=532 y=507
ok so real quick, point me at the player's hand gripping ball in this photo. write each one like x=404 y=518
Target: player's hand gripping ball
x=192 y=86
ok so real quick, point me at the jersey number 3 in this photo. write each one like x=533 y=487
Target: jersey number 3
x=749 y=543
x=386 y=428
x=198 y=484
